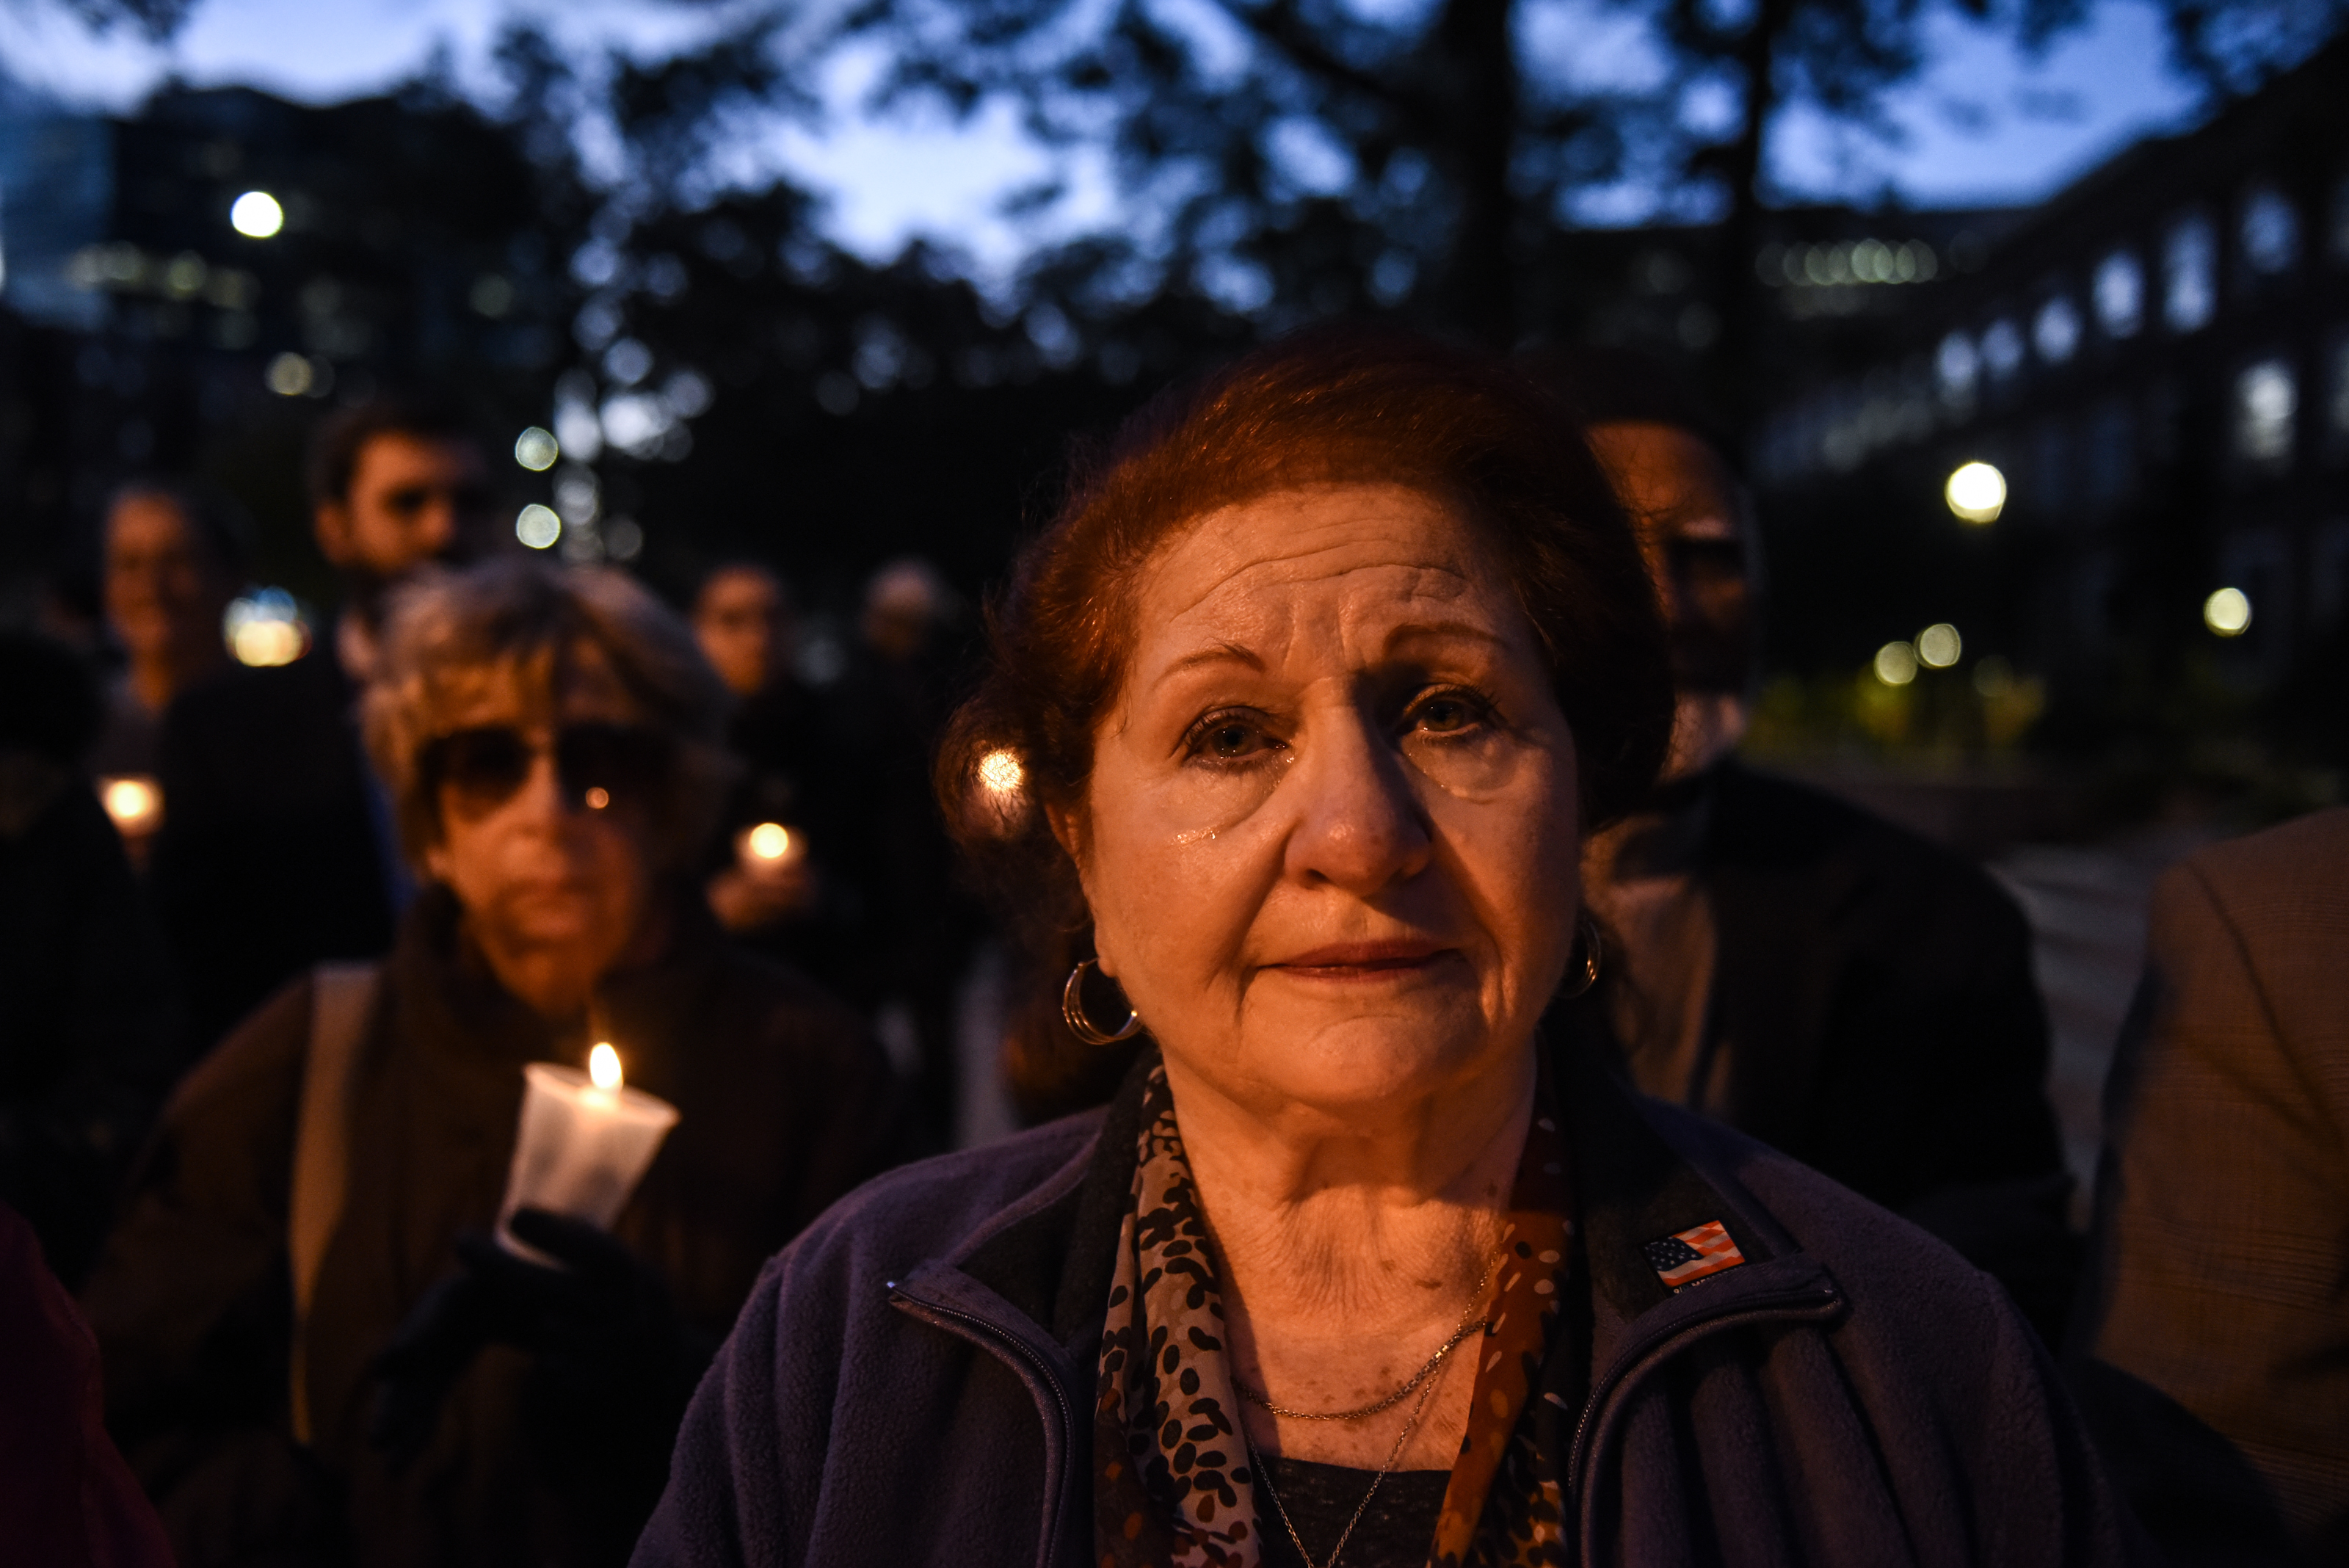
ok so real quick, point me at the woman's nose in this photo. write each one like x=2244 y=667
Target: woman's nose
x=1360 y=825
x=542 y=794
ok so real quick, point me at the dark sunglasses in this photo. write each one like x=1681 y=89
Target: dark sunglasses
x=599 y=765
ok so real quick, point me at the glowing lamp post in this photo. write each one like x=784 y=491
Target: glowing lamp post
x=584 y=1143
x=1976 y=493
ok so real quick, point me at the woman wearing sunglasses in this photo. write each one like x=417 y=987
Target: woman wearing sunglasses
x=312 y=1344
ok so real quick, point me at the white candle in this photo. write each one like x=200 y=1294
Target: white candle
x=584 y=1143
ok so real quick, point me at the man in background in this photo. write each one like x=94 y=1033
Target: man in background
x=275 y=851
x=761 y=891
x=1796 y=966
x=2211 y=1354
x=174 y=555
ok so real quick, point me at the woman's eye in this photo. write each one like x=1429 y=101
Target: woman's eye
x=1447 y=713
x=1231 y=739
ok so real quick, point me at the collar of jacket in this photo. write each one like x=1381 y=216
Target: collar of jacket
x=1030 y=1286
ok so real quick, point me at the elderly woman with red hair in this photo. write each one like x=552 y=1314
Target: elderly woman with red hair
x=1299 y=714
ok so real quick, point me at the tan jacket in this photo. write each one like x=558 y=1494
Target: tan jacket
x=2213 y=1346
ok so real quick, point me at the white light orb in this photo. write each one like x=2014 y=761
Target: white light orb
x=538 y=526
x=1939 y=646
x=1896 y=664
x=256 y=215
x=536 y=448
x=2228 y=612
x=771 y=841
x=1976 y=493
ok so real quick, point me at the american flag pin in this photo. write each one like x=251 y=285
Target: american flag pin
x=1683 y=1259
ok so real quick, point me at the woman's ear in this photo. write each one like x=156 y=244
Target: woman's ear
x=1068 y=830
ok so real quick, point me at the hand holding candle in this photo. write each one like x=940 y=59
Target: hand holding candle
x=584 y=1142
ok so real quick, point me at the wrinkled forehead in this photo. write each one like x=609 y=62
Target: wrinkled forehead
x=537 y=688
x=1348 y=566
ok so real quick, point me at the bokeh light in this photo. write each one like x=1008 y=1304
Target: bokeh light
x=135 y=803
x=771 y=841
x=1896 y=664
x=256 y=215
x=538 y=526
x=1939 y=646
x=2228 y=612
x=1976 y=493
x=536 y=448
x=266 y=628
x=1000 y=773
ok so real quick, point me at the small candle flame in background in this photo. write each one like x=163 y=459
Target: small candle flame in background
x=604 y=1068
x=769 y=841
x=134 y=803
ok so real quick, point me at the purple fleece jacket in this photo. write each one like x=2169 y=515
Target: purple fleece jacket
x=911 y=1381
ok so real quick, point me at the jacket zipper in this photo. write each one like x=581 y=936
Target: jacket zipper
x=1811 y=1302
x=1002 y=1335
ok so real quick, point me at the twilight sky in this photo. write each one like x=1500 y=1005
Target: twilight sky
x=1981 y=125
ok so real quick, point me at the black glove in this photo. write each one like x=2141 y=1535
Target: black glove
x=611 y=1362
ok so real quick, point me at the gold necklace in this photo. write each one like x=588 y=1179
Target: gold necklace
x=1470 y=1325
x=1264 y=1479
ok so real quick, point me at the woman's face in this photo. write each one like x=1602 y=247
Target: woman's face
x=1331 y=842
x=554 y=888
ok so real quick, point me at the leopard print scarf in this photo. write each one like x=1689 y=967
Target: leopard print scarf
x=1171 y=1471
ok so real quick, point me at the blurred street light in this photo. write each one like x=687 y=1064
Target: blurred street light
x=1939 y=646
x=2228 y=612
x=538 y=526
x=1976 y=493
x=536 y=448
x=256 y=215
x=266 y=628
x=1896 y=664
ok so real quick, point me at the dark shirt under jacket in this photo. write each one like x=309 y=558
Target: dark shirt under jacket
x=782 y=1099
x=1874 y=1001
x=269 y=859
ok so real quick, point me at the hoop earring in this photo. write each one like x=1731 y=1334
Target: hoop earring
x=1072 y=1012
x=1592 y=952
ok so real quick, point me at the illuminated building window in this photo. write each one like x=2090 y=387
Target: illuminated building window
x=2270 y=232
x=1956 y=368
x=2002 y=349
x=2267 y=397
x=2055 y=332
x=2120 y=295
x=2190 y=274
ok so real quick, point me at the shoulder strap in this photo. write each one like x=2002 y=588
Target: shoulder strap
x=341 y=996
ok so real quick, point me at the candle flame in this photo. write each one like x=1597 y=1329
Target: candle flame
x=771 y=841
x=1000 y=773
x=132 y=801
x=604 y=1068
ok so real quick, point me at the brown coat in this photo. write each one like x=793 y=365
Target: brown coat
x=2213 y=1346
x=783 y=1102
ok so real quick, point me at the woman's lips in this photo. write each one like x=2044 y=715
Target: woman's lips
x=1353 y=960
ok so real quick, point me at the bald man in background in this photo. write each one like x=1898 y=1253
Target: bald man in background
x=1796 y=966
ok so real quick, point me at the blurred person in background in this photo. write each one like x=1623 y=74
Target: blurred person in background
x=551 y=738
x=744 y=621
x=918 y=926
x=276 y=848
x=2211 y=1353
x=1801 y=968
x=174 y=555
x=88 y=1032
